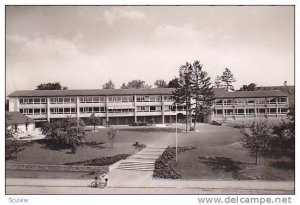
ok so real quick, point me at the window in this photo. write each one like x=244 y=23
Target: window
x=219 y=112
x=261 y=101
x=271 y=100
x=282 y=100
x=37 y=111
x=239 y=111
x=239 y=101
x=143 y=108
x=229 y=112
x=250 y=111
x=261 y=111
x=67 y=110
x=168 y=98
x=43 y=111
x=67 y=100
x=152 y=108
x=140 y=98
x=228 y=101
x=166 y=108
x=283 y=110
x=250 y=101
x=218 y=102
x=37 y=100
x=272 y=111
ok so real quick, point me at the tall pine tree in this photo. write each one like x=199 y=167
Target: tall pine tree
x=183 y=93
x=202 y=91
x=227 y=80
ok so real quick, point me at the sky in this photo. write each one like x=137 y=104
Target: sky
x=82 y=47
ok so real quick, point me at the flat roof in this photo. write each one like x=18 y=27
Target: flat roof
x=92 y=92
x=219 y=93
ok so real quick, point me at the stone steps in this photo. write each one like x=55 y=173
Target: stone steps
x=143 y=160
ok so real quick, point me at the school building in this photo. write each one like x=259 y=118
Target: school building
x=125 y=106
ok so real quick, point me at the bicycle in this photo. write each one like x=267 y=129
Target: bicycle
x=99 y=181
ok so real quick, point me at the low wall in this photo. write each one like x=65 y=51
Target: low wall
x=63 y=168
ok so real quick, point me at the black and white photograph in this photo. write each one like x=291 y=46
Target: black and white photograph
x=150 y=100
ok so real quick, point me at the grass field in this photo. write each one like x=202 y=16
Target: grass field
x=230 y=163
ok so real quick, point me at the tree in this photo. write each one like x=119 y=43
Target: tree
x=183 y=93
x=161 y=84
x=108 y=85
x=50 y=86
x=227 y=80
x=283 y=139
x=64 y=133
x=174 y=83
x=218 y=82
x=137 y=84
x=111 y=133
x=250 y=87
x=202 y=91
x=11 y=142
x=94 y=120
x=256 y=139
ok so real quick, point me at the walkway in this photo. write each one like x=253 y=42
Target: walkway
x=136 y=168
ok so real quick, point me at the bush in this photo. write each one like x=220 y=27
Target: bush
x=139 y=124
x=103 y=161
x=162 y=164
x=139 y=146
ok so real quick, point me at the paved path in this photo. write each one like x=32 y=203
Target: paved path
x=80 y=186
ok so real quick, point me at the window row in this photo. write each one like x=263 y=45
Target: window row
x=120 y=110
x=63 y=110
x=62 y=100
x=33 y=100
x=92 y=99
x=241 y=101
x=159 y=108
x=93 y=110
x=31 y=111
x=146 y=98
x=120 y=99
x=251 y=111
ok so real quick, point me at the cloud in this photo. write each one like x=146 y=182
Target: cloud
x=116 y=14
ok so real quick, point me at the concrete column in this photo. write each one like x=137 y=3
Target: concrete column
x=245 y=108
x=106 y=105
x=223 y=110
x=135 y=108
x=233 y=108
x=266 y=107
x=277 y=107
x=48 y=109
x=162 y=110
x=255 y=107
x=77 y=108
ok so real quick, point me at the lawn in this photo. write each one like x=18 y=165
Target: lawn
x=230 y=163
x=97 y=146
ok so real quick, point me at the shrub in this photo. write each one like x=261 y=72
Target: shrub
x=162 y=164
x=103 y=161
x=139 y=146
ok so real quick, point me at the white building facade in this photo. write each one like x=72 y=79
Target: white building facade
x=125 y=106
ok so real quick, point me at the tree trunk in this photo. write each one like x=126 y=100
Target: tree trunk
x=196 y=114
x=186 y=113
x=256 y=158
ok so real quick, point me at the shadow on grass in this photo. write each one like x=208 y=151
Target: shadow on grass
x=285 y=165
x=222 y=163
x=150 y=129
